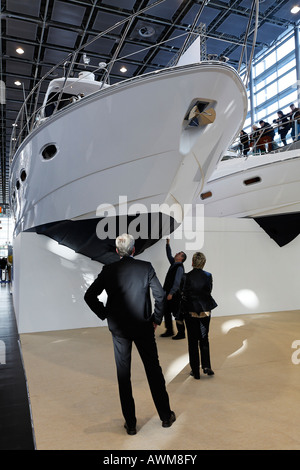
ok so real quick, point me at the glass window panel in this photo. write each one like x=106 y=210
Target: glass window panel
x=285 y=102
x=285 y=48
x=260 y=97
x=271 y=77
x=294 y=97
x=270 y=59
x=261 y=115
x=247 y=123
x=272 y=87
x=260 y=85
x=286 y=67
x=271 y=91
x=286 y=81
x=259 y=68
x=273 y=108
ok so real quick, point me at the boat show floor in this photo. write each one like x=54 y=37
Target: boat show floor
x=251 y=403
x=16 y=431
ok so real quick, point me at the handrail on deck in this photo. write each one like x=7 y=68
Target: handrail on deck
x=20 y=130
x=258 y=143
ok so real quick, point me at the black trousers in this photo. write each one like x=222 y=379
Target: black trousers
x=198 y=342
x=283 y=135
x=171 y=307
x=146 y=346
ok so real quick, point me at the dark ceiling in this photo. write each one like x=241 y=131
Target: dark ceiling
x=49 y=30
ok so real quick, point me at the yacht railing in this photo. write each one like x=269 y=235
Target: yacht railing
x=26 y=121
x=261 y=145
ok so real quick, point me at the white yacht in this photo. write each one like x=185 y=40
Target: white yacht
x=263 y=187
x=150 y=142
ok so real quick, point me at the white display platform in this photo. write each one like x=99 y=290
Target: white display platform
x=251 y=274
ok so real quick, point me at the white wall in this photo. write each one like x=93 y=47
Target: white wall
x=251 y=273
x=49 y=282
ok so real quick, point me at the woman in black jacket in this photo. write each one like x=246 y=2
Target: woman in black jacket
x=198 y=304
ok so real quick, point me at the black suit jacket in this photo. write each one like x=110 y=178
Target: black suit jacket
x=197 y=291
x=128 y=309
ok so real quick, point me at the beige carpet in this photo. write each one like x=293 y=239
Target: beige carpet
x=252 y=401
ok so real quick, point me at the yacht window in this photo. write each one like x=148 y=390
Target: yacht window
x=65 y=100
x=23 y=175
x=255 y=179
x=206 y=195
x=49 y=151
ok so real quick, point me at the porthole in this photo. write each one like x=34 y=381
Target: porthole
x=206 y=195
x=23 y=175
x=254 y=180
x=49 y=151
x=18 y=184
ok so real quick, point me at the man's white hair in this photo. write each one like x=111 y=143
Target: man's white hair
x=125 y=244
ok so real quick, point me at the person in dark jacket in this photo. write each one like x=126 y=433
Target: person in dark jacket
x=198 y=303
x=130 y=319
x=171 y=287
x=244 y=142
x=283 y=126
x=268 y=134
x=294 y=116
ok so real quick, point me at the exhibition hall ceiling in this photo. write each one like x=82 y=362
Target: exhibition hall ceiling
x=49 y=30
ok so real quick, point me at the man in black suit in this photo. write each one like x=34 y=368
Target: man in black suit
x=171 y=287
x=130 y=319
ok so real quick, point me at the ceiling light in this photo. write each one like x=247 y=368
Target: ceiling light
x=18 y=83
x=86 y=59
x=123 y=69
x=20 y=50
x=146 y=31
x=295 y=9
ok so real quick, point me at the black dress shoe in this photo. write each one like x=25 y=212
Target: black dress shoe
x=195 y=375
x=168 y=422
x=166 y=334
x=178 y=336
x=131 y=430
x=208 y=371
